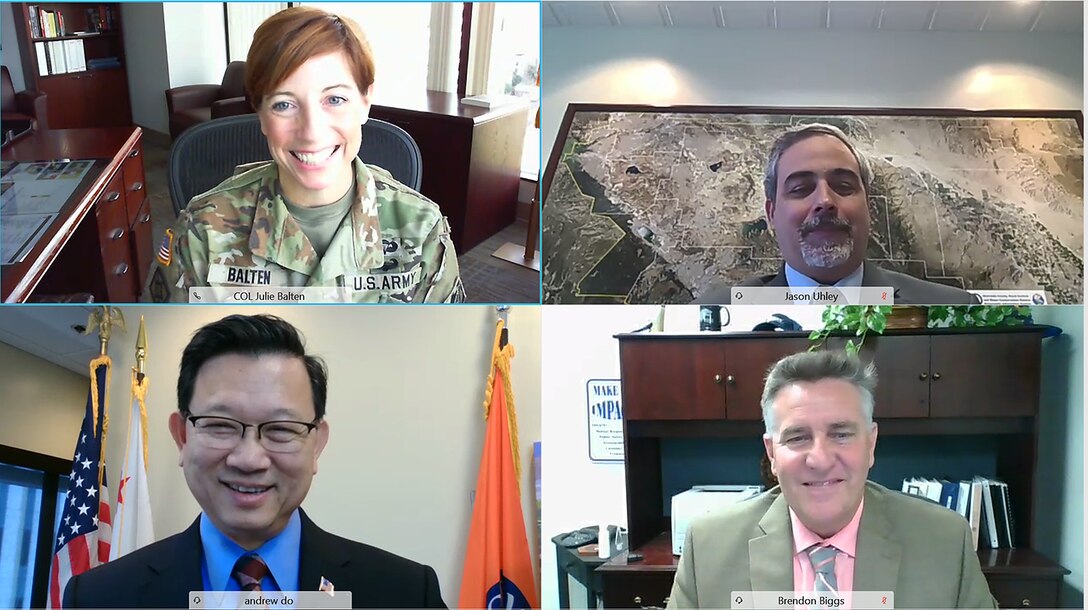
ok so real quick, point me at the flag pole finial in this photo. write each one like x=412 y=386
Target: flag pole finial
x=504 y=314
x=104 y=319
x=141 y=350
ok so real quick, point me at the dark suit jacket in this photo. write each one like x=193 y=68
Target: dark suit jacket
x=909 y=290
x=161 y=575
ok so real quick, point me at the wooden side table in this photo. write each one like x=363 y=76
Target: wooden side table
x=569 y=562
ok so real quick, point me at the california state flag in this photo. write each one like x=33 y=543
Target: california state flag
x=498 y=570
x=132 y=517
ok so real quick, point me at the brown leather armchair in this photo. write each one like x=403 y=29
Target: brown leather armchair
x=194 y=104
x=26 y=105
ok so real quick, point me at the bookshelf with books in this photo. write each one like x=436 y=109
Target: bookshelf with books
x=75 y=51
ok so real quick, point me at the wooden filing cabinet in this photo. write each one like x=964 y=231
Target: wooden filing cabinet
x=471 y=159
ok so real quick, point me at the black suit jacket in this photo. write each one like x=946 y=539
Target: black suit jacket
x=909 y=290
x=162 y=574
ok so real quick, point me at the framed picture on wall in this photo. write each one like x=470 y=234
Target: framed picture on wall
x=645 y=204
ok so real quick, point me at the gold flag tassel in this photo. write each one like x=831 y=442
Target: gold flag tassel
x=104 y=319
x=500 y=361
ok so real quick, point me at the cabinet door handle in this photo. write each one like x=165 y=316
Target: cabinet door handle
x=146 y=218
x=137 y=186
x=923 y=376
x=638 y=600
x=112 y=196
x=936 y=376
x=718 y=379
x=731 y=380
x=120 y=269
x=1026 y=603
x=135 y=152
x=117 y=234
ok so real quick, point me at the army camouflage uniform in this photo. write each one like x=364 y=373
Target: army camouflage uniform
x=392 y=246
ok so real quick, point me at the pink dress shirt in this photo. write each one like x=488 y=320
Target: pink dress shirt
x=846 y=541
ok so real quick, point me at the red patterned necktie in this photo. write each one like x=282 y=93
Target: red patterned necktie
x=249 y=570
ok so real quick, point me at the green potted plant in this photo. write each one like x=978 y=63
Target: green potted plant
x=858 y=319
x=972 y=316
x=863 y=320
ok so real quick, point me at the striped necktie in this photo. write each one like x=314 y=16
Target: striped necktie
x=823 y=562
x=249 y=570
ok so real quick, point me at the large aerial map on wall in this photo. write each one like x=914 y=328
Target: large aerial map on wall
x=656 y=206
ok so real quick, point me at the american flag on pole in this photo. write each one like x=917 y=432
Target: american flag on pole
x=83 y=539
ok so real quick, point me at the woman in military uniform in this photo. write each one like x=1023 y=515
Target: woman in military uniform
x=316 y=215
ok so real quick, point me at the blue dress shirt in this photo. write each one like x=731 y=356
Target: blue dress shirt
x=796 y=279
x=280 y=554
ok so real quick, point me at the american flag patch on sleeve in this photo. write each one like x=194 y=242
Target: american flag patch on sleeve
x=166 y=248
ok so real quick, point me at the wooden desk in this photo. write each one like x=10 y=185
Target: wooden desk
x=100 y=243
x=471 y=159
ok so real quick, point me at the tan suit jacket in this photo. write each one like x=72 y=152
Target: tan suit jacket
x=920 y=550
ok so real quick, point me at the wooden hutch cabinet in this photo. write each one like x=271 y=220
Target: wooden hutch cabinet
x=973 y=388
x=84 y=88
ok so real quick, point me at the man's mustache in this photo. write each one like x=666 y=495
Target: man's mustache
x=824 y=223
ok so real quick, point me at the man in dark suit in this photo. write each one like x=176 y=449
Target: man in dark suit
x=817 y=188
x=250 y=428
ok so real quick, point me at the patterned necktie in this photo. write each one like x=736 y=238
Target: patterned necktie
x=249 y=570
x=823 y=562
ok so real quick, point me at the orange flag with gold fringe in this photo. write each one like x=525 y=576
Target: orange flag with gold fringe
x=498 y=568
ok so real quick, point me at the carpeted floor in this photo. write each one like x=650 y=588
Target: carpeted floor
x=487 y=279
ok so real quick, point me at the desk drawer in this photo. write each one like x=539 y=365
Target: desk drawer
x=636 y=589
x=112 y=227
x=135 y=189
x=1024 y=592
x=141 y=244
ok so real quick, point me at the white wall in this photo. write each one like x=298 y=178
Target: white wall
x=671 y=66
x=36 y=392
x=578 y=345
x=146 y=58
x=1059 y=499
x=406 y=389
x=10 y=56
x=195 y=42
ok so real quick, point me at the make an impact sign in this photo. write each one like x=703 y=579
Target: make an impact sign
x=605 y=420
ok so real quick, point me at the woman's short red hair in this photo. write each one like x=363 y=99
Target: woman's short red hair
x=292 y=37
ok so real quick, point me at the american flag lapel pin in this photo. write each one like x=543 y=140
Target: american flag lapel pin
x=327 y=587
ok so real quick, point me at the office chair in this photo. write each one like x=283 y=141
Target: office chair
x=206 y=154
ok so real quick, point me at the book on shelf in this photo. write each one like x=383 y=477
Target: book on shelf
x=35 y=23
x=985 y=503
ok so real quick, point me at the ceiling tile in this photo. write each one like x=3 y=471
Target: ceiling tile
x=638 y=14
x=906 y=16
x=960 y=16
x=855 y=15
x=800 y=15
x=1011 y=16
x=46 y=332
x=1061 y=17
x=548 y=17
x=582 y=14
x=747 y=15
x=694 y=14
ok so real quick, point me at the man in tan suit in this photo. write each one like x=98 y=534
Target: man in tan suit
x=826 y=528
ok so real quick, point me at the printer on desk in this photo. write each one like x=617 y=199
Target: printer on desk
x=701 y=500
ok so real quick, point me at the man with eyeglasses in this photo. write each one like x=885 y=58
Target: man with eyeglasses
x=250 y=427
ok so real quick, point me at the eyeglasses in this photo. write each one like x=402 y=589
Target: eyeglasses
x=275 y=436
